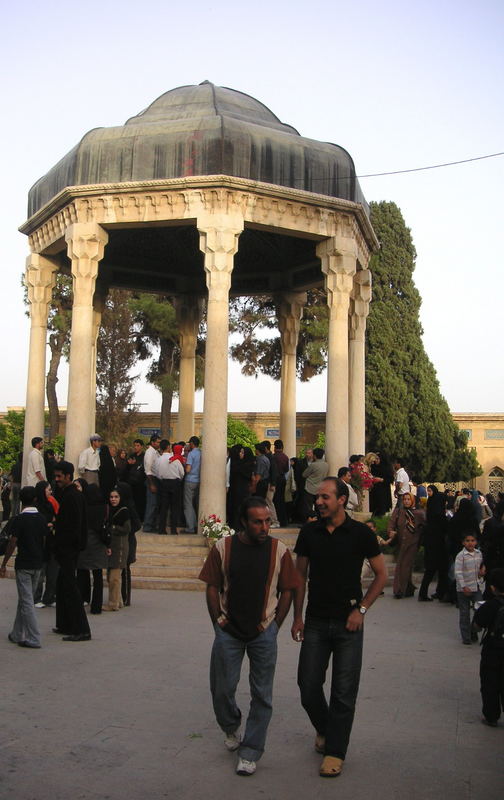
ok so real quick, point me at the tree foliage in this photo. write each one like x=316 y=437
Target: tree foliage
x=157 y=338
x=11 y=438
x=115 y=357
x=239 y=433
x=251 y=317
x=405 y=412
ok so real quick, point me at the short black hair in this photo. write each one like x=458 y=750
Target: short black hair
x=260 y=449
x=398 y=460
x=267 y=444
x=194 y=440
x=164 y=444
x=27 y=495
x=343 y=471
x=318 y=452
x=36 y=440
x=154 y=437
x=251 y=502
x=138 y=441
x=65 y=467
x=278 y=444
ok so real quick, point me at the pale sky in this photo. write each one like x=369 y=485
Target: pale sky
x=398 y=85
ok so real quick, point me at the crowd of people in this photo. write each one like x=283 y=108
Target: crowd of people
x=76 y=524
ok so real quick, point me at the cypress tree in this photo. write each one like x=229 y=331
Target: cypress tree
x=406 y=413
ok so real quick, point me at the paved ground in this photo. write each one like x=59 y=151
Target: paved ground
x=128 y=714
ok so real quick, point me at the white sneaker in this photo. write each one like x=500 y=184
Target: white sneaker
x=245 y=767
x=39 y=605
x=232 y=741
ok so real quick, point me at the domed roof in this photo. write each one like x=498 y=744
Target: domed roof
x=202 y=130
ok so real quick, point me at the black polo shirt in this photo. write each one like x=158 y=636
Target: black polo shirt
x=334 y=581
x=30 y=529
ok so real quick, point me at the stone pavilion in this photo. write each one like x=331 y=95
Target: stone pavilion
x=202 y=195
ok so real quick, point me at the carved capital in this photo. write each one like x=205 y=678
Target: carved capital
x=359 y=303
x=339 y=265
x=40 y=278
x=189 y=310
x=219 y=243
x=85 y=244
x=289 y=309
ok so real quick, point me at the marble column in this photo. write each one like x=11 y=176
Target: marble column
x=339 y=265
x=359 y=309
x=189 y=309
x=219 y=243
x=289 y=313
x=86 y=243
x=99 y=300
x=40 y=279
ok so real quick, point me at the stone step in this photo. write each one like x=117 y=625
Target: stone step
x=169 y=559
x=171 y=584
x=165 y=570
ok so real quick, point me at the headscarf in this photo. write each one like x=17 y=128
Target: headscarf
x=409 y=513
x=435 y=504
x=178 y=454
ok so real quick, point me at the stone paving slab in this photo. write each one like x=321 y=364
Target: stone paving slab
x=128 y=715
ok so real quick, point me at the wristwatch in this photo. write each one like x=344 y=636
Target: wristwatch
x=362 y=610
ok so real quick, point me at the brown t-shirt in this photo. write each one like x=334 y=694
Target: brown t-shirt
x=249 y=577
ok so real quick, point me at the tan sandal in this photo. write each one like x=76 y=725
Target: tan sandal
x=320 y=743
x=331 y=767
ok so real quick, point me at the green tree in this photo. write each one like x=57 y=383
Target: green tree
x=405 y=411
x=115 y=357
x=157 y=338
x=239 y=433
x=11 y=438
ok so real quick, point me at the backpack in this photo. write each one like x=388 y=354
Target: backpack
x=496 y=631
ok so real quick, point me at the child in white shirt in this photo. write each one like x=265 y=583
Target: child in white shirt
x=468 y=572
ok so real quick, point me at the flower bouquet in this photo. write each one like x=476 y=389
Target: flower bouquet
x=213 y=528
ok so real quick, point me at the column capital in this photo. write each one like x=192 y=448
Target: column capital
x=219 y=236
x=359 y=303
x=289 y=310
x=39 y=279
x=85 y=246
x=338 y=256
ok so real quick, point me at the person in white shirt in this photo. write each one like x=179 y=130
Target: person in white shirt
x=401 y=480
x=151 y=484
x=89 y=460
x=353 y=501
x=36 y=467
x=170 y=473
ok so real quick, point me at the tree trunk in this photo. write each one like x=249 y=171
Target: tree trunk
x=166 y=404
x=56 y=344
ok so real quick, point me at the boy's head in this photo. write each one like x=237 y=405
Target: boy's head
x=496 y=580
x=470 y=542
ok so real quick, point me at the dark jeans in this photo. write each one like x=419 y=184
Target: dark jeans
x=49 y=574
x=323 y=639
x=279 y=501
x=170 y=500
x=464 y=605
x=95 y=598
x=70 y=614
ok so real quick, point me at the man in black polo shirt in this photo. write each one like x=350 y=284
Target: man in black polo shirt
x=334 y=549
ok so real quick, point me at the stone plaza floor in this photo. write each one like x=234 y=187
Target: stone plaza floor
x=128 y=714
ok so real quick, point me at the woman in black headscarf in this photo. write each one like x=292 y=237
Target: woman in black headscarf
x=107 y=474
x=94 y=558
x=119 y=527
x=127 y=498
x=380 y=495
x=242 y=467
x=435 y=552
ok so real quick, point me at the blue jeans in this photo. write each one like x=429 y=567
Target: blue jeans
x=191 y=500
x=464 y=604
x=225 y=668
x=25 y=628
x=323 y=638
